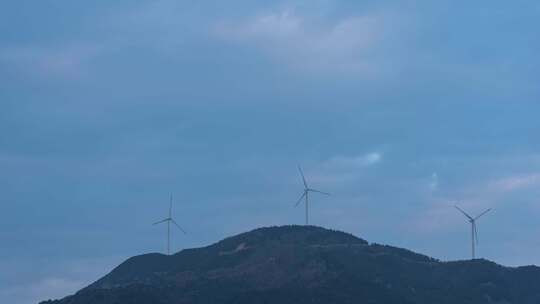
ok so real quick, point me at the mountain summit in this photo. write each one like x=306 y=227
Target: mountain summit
x=306 y=264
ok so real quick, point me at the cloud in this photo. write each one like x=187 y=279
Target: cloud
x=307 y=42
x=517 y=182
x=434 y=181
x=475 y=197
x=440 y=216
x=350 y=162
x=64 y=61
x=44 y=289
x=344 y=169
x=28 y=283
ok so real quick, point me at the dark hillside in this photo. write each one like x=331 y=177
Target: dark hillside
x=299 y=264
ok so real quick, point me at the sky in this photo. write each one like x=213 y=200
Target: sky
x=399 y=109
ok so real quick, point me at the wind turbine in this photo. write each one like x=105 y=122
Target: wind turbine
x=305 y=194
x=474 y=231
x=169 y=220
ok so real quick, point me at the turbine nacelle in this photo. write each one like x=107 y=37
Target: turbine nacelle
x=305 y=194
x=169 y=220
x=474 y=229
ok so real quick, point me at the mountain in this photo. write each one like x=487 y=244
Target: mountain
x=307 y=264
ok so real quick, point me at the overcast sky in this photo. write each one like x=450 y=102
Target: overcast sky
x=400 y=109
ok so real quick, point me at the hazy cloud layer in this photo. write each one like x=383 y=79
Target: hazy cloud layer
x=340 y=45
x=399 y=110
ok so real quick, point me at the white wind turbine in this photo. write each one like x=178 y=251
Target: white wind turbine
x=474 y=231
x=169 y=220
x=305 y=194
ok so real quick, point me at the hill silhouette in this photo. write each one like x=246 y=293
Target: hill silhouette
x=306 y=264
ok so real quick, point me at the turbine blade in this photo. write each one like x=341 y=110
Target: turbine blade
x=303 y=177
x=174 y=222
x=464 y=213
x=300 y=199
x=162 y=221
x=482 y=214
x=313 y=190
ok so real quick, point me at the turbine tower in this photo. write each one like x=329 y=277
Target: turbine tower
x=169 y=220
x=305 y=194
x=474 y=231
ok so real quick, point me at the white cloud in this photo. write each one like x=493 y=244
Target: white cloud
x=434 y=181
x=351 y=162
x=340 y=169
x=301 y=41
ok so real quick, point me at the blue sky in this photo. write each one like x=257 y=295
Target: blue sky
x=398 y=108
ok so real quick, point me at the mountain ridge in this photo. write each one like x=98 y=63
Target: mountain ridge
x=307 y=264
